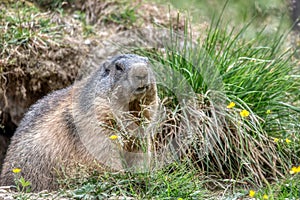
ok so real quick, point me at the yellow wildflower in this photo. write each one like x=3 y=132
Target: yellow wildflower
x=244 y=113
x=268 y=112
x=231 y=105
x=16 y=170
x=287 y=140
x=276 y=140
x=265 y=197
x=251 y=193
x=113 y=137
x=295 y=170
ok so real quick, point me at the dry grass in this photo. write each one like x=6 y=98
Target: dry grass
x=219 y=143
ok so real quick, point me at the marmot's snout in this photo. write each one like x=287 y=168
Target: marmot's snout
x=140 y=78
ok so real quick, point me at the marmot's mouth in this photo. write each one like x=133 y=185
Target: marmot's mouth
x=141 y=90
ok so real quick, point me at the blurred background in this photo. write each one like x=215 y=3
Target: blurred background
x=269 y=14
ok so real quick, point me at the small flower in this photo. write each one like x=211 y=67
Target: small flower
x=268 y=112
x=180 y=198
x=276 y=140
x=251 y=193
x=231 y=105
x=113 y=137
x=295 y=170
x=265 y=197
x=16 y=170
x=288 y=141
x=244 y=113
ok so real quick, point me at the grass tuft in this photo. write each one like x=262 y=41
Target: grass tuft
x=235 y=144
x=158 y=184
x=27 y=30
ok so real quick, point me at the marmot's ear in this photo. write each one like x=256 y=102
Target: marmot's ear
x=104 y=65
x=105 y=70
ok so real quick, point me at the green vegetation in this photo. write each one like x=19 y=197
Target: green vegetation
x=21 y=183
x=235 y=72
x=25 y=28
x=257 y=75
x=160 y=184
x=264 y=13
x=22 y=186
x=127 y=16
x=25 y=25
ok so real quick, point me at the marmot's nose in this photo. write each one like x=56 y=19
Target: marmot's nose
x=140 y=73
x=141 y=76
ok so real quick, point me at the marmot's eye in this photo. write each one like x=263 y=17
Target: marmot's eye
x=119 y=67
x=106 y=72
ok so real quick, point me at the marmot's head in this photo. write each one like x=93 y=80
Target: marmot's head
x=125 y=79
x=128 y=73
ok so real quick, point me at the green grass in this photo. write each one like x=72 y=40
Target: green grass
x=126 y=16
x=287 y=188
x=258 y=74
x=270 y=14
x=24 y=25
x=158 y=184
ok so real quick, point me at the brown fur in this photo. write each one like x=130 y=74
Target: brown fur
x=73 y=125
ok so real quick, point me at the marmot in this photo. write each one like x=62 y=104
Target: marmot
x=75 y=124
